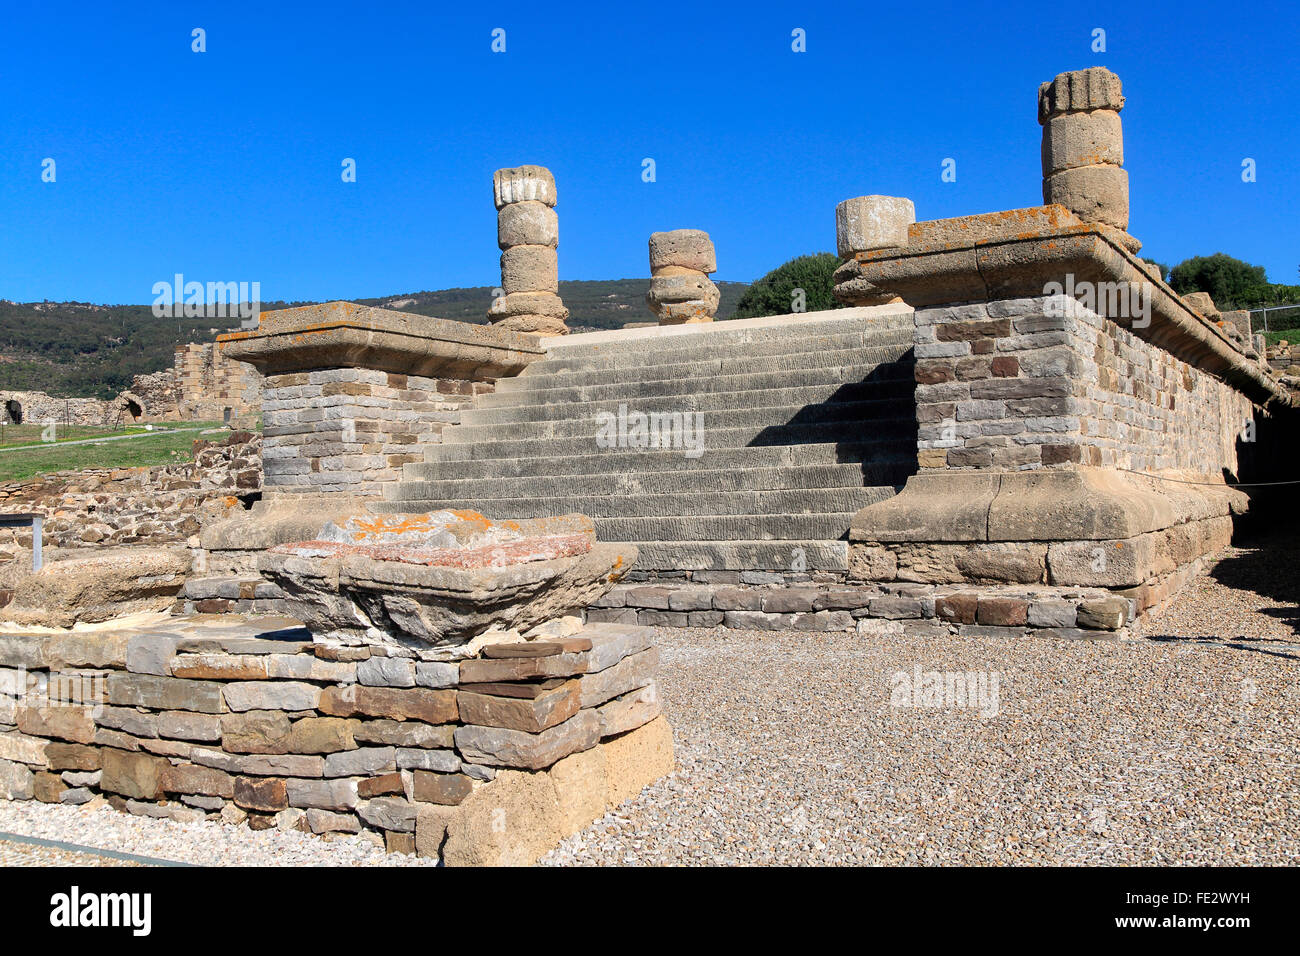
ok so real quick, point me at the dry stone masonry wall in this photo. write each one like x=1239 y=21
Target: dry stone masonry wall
x=490 y=760
x=352 y=429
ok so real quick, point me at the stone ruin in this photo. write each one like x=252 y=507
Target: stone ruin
x=1014 y=428
x=680 y=289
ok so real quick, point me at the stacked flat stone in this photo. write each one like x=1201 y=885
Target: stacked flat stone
x=490 y=760
x=680 y=289
x=1083 y=145
x=528 y=234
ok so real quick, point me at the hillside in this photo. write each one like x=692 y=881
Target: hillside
x=76 y=349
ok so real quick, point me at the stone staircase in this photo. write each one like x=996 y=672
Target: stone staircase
x=805 y=421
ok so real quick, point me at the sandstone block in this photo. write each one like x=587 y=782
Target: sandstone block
x=136 y=775
x=523 y=184
x=272 y=695
x=403 y=733
x=1082 y=139
x=429 y=706
x=448 y=789
x=637 y=759
x=362 y=762
x=389 y=813
x=326 y=821
x=581 y=785
x=629 y=711
x=165 y=693
x=21 y=748
x=193 y=779
x=1096 y=88
x=262 y=794
x=437 y=761
x=511 y=821
x=687 y=248
x=69 y=723
x=529 y=269
x=531 y=715
x=334 y=794
x=872 y=222
x=627 y=675
x=527 y=224
x=500 y=747
x=219 y=666
x=17 y=782
x=184 y=726
x=1093 y=193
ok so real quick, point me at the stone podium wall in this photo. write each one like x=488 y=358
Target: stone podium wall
x=1039 y=382
x=350 y=430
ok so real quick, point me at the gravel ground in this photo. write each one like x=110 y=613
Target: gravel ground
x=1175 y=748
x=203 y=843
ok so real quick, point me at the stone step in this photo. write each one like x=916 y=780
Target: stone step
x=585 y=422
x=725 y=362
x=807 y=331
x=633 y=461
x=831 y=375
x=890 y=433
x=750 y=527
x=808 y=396
x=780 y=503
x=811 y=555
x=416 y=484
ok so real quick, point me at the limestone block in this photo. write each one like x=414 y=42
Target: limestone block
x=1202 y=304
x=864 y=223
x=686 y=313
x=17 y=782
x=1082 y=139
x=529 y=269
x=523 y=184
x=690 y=287
x=1096 y=88
x=528 y=224
x=528 y=303
x=689 y=248
x=1093 y=193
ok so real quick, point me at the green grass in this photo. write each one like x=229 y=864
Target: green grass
x=160 y=449
x=32 y=434
x=1291 y=336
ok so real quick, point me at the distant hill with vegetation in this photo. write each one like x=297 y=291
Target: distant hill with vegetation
x=77 y=349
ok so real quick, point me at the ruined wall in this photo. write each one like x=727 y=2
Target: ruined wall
x=460 y=760
x=350 y=430
x=1039 y=382
x=208 y=383
x=104 y=506
x=37 y=408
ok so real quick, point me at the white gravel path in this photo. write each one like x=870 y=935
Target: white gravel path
x=1177 y=751
x=203 y=843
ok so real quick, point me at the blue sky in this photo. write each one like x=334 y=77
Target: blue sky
x=225 y=165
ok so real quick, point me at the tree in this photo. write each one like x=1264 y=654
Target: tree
x=776 y=293
x=1229 y=281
